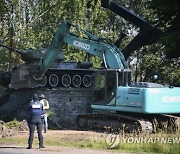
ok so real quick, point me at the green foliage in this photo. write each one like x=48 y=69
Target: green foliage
x=167 y=16
x=13 y=123
x=152 y=63
x=50 y=113
x=35 y=23
x=99 y=143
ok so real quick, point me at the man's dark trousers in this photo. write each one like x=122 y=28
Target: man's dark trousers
x=38 y=123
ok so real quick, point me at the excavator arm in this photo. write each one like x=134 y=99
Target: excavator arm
x=108 y=53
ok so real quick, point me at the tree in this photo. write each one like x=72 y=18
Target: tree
x=35 y=23
x=167 y=15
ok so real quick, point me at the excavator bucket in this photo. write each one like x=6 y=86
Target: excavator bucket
x=148 y=34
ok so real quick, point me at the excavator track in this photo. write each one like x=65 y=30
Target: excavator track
x=126 y=123
x=173 y=123
x=114 y=122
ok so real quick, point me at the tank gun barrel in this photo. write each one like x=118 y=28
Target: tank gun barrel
x=17 y=50
x=28 y=55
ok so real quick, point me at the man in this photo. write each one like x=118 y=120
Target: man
x=35 y=112
x=45 y=104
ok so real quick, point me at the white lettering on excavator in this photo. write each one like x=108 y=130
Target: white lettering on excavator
x=171 y=99
x=135 y=103
x=81 y=45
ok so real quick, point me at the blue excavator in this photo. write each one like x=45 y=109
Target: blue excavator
x=116 y=101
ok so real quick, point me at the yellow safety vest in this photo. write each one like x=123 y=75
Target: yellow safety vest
x=45 y=104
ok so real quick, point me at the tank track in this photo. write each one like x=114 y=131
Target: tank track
x=5 y=95
x=113 y=122
x=11 y=101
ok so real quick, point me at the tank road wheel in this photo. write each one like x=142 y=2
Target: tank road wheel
x=77 y=80
x=43 y=81
x=53 y=80
x=66 y=80
x=87 y=81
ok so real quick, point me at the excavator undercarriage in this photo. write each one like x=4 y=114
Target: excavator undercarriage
x=129 y=123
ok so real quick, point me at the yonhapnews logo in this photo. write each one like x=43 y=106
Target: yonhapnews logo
x=114 y=139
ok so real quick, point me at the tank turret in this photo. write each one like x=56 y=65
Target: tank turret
x=22 y=74
x=33 y=55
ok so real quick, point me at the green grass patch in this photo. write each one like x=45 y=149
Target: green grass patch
x=150 y=148
x=93 y=144
x=128 y=146
x=10 y=140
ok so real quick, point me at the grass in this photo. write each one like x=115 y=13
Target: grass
x=153 y=148
x=99 y=143
x=155 y=143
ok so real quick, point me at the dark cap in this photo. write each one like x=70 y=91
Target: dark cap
x=35 y=97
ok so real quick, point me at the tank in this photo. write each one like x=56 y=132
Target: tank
x=66 y=85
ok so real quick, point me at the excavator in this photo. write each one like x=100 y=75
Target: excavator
x=116 y=101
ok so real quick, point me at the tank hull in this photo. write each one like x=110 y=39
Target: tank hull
x=66 y=86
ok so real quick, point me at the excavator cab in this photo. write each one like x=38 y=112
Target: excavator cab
x=106 y=82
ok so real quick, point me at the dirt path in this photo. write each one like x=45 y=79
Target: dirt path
x=63 y=135
x=61 y=150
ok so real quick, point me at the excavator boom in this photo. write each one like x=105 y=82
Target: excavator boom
x=108 y=53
